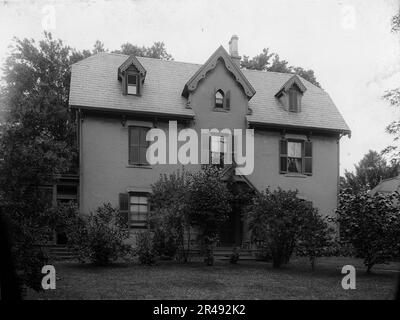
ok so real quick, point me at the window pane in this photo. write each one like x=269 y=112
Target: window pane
x=293 y=100
x=134 y=154
x=219 y=99
x=142 y=156
x=143 y=208
x=134 y=199
x=294 y=165
x=134 y=208
x=142 y=200
x=134 y=139
x=132 y=89
x=132 y=79
x=294 y=149
x=143 y=132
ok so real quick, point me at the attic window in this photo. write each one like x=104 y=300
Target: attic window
x=219 y=99
x=132 y=84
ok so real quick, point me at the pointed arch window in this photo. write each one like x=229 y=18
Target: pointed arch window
x=219 y=99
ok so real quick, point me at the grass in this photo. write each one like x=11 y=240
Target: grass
x=245 y=280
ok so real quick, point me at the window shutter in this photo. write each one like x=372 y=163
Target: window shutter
x=228 y=100
x=124 y=207
x=307 y=158
x=283 y=156
x=124 y=84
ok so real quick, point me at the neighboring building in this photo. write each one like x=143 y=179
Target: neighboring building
x=387 y=186
x=118 y=98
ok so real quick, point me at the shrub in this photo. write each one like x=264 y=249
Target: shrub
x=371 y=223
x=169 y=219
x=315 y=238
x=276 y=219
x=100 y=237
x=144 y=248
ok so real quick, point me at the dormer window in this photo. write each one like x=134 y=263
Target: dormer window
x=132 y=75
x=132 y=84
x=290 y=94
x=219 y=99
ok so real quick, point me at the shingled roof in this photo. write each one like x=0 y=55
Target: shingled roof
x=95 y=86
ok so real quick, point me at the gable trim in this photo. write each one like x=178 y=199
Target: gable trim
x=132 y=60
x=219 y=55
x=288 y=84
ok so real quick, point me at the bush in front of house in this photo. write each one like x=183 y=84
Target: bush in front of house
x=100 y=237
x=208 y=206
x=145 y=248
x=371 y=223
x=315 y=238
x=282 y=222
x=234 y=257
x=169 y=219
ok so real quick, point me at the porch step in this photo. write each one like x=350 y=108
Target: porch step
x=60 y=252
x=224 y=253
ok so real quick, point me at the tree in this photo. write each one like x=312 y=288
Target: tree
x=393 y=97
x=371 y=224
x=156 y=51
x=38 y=139
x=371 y=169
x=169 y=218
x=276 y=219
x=316 y=237
x=267 y=61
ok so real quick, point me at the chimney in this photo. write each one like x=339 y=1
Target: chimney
x=233 y=50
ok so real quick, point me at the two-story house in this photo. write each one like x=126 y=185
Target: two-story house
x=118 y=98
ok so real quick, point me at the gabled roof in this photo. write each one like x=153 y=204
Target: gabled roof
x=94 y=86
x=211 y=63
x=132 y=60
x=288 y=84
x=387 y=186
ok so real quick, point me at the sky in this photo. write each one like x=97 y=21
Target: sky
x=347 y=43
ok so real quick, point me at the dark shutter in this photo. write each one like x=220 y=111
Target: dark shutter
x=228 y=100
x=307 y=157
x=293 y=100
x=124 y=207
x=134 y=143
x=283 y=156
x=124 y=84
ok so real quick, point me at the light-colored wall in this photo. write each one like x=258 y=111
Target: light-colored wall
x=104 y=152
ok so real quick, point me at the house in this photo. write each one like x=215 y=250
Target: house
x=118 y=98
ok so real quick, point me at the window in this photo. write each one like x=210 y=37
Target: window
x=138 y=145
x=138 y=208
x=219 y=99
x=217 y=149
x=132 y=84
x=296 y=156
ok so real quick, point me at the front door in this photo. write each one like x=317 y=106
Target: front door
x=231 y=230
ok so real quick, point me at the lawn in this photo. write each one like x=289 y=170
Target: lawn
x=245 y=280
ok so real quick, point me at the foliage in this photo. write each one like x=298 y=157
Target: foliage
x=267 y=61
x=316 y=237
x=371 y=224
x=277 y=219
x=144 y=248
x=393 y=97
x=208 y=201
x=169 y=218
x=100 y=237
x=368 y=173
x=157 y=51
